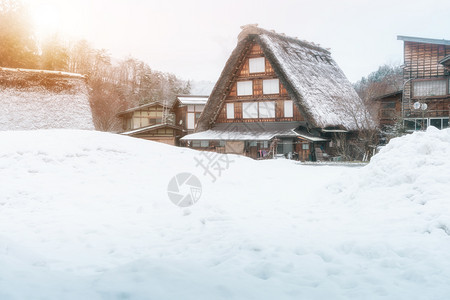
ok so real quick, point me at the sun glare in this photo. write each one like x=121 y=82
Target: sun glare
x=65 y=18
x=47 y=20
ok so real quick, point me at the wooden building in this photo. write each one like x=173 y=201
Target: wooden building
x=389 y=108
x=165 y=123
x=426 y=94
x=41 y=99
x=188 y=109
x=153 y=121
x=277 y=95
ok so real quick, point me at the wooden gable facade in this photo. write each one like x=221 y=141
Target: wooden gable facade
x=426 y=82
x=256 y=94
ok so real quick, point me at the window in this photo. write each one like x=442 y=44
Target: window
x=230 y=110
x=252 y=143
x=415 y=124
x=191 y=108
x=271 y=86
x=288 y=109
x=152 y=121
x=388 y=113
x=439 y=123
x=250 y=110
x=200 y=144
x=245 y=88
x=257 y=65
x=388 y=105
x=221 y=143
x=305 y=146
x=429 y=88
x=267 y=109
x=191 y=121
x=197 y=116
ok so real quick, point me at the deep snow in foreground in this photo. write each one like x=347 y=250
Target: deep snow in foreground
x=86 y=215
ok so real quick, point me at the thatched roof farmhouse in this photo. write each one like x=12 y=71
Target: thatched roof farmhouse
x=35 y=99
x=279 y=95
x=312 y=78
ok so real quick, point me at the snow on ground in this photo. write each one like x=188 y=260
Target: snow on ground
x=86 y=215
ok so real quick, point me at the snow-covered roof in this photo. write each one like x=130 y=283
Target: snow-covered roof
x=189 y=100
x=423 y=40
x=312 y=78
x=445 y=61
x=311 y=138
x=130 y=110
x=251 y=132
x=34 y=71
x=335 y=130
x=38 y=99
x=150 y=128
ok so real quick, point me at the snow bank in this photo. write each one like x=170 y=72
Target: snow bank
x=86 y=215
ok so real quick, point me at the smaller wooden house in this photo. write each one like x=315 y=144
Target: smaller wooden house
x=153 y=121
x=389 y=108
x=165 y=123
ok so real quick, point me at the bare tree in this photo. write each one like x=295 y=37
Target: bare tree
x=361 y=143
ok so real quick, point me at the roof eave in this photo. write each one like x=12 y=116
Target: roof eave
x=423 y=40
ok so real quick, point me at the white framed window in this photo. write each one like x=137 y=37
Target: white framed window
x=245 y=88
x=439 y=123
x=288 y=108
x=230 y=110
x=415 y=124
x=191 y=121
x=250 y=110
x=257 y=65
x=271 y=86
x=204 y=144
x=267 y=109
x=429 y=88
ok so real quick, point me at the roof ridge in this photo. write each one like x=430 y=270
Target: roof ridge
x=37 y=71
x=253 y=29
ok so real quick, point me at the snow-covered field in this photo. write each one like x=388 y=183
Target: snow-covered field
x=86 y=215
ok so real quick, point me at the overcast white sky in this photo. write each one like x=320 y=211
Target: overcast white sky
x=193 y=39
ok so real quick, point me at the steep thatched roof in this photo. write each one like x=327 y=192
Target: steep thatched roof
x=35 y=99
x=312 y=78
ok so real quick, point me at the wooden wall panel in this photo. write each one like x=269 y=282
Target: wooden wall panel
x=422 y=60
